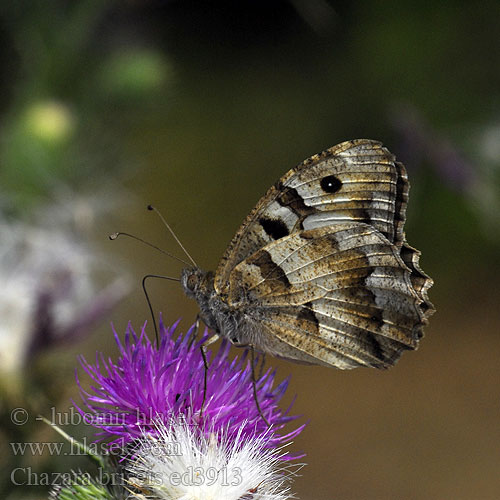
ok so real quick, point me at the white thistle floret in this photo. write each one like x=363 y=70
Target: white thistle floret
x=181 y=463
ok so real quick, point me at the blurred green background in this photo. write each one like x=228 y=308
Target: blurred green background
x=197 y=107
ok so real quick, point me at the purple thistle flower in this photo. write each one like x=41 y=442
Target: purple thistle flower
x=150 y=384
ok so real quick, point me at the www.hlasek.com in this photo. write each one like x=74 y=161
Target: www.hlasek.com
x=84 y=447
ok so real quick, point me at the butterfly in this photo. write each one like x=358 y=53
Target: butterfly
x=320 y=271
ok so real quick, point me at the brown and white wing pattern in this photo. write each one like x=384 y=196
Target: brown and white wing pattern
x=357 y=181
x=321 y=271
x=339 y=295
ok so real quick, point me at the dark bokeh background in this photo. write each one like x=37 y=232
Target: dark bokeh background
x=197 y=107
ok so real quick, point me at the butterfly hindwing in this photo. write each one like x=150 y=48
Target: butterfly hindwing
x=340 y=294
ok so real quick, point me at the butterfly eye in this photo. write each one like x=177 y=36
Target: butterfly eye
x=330 y=184
x=191 y=282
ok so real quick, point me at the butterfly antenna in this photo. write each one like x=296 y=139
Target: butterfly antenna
x=149 y=301
x=114 y=236
x=154 y=209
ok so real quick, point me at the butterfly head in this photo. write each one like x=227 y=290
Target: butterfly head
x=195 y=281
x=199 y=285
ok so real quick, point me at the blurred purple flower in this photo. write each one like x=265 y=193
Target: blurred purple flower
x=150 y=384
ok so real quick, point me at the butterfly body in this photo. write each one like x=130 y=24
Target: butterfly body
x=320 y=271
x=230 y=320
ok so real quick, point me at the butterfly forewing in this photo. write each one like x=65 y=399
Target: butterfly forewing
x=354 y=181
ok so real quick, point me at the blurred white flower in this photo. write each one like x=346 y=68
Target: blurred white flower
x=181 y=463
x=49 y=295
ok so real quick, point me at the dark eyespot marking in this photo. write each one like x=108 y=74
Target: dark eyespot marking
x=274 y=228
x=330 y=184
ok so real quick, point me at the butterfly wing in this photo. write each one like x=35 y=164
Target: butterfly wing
x=321 y=266
x=339 y=295
x=354 y=181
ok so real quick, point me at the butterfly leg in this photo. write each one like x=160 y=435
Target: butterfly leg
x=196 y=329
x=254 y=386
x=203 y=346
x=254 y=381
x=262 y=364
x=205 y=373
